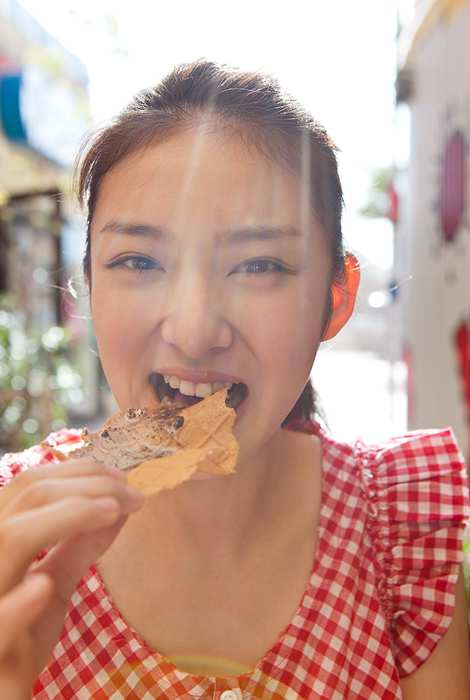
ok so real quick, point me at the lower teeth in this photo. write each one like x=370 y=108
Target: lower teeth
x=187 y=399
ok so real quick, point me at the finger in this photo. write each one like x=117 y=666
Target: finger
x=20 y=607
x=47 y=491
x=78 y=467
x=24 y=534
x=71 y=468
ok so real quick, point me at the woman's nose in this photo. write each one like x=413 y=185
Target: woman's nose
x=194 y=321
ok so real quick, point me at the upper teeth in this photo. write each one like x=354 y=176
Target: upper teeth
x=190 y=389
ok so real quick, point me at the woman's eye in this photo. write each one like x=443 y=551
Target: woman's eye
x=262 y=267
x=258 y=267
x=136 y=263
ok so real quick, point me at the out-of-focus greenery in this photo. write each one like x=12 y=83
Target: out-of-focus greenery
x=37 y=381
x=378 y=198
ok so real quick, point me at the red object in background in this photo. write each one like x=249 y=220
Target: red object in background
x=393 y=204
x=453 y=188
x=462 y=342
x=462 y=345
x=410 y=389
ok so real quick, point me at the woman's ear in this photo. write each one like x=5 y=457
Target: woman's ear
x=343 y=296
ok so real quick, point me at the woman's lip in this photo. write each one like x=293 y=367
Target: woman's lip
x=199 y=376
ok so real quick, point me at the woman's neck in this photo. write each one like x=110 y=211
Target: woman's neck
x=220 y=517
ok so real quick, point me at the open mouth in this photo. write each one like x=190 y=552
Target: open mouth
x=236 y=393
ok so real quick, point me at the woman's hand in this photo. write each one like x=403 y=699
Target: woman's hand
x=74 y=510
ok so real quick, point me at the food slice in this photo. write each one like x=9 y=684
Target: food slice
x=162 y=447
x=166 y=472
x=208 y=426
x=133 y=436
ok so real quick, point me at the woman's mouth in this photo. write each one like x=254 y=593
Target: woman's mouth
x=176 y=394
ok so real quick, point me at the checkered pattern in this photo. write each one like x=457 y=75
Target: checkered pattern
x=380 y=596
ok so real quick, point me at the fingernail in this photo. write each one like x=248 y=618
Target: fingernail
x=134 y=499
x=134 y=494
x=108 y=504
x=118 y=473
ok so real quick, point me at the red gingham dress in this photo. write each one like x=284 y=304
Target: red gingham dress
x=380 y=597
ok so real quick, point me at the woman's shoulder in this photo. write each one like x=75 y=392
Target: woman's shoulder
x=415 y=444
x=423 y=468
x=13 y=463
x=417 y=477
x=408 y=458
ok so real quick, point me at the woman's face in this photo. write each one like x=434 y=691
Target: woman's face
x=205 y=256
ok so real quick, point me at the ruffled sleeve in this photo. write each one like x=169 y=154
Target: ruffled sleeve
x=417 y=494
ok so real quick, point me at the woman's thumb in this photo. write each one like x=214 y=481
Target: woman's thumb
x=69 y=561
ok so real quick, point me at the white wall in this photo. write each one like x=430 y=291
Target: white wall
x=438 y=297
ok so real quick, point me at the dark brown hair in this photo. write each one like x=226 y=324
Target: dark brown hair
x=248 y=104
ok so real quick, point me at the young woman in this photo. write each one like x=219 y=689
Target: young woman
x=319 y=570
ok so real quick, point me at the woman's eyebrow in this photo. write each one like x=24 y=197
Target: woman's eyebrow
x=129 y=229
x=230 y=237
x=257 y=233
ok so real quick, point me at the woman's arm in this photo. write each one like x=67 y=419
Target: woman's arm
x=446 y=674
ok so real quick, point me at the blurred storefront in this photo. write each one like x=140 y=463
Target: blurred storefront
x=44 y=115
x=433 y=233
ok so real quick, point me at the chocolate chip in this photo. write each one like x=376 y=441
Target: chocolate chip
x=236 y=394
x=179 y=422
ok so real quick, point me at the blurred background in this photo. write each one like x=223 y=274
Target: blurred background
x=389 y=80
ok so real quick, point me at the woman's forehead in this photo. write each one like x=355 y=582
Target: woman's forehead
x=206 y=175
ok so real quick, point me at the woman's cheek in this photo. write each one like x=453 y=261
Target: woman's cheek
x=114 y=327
